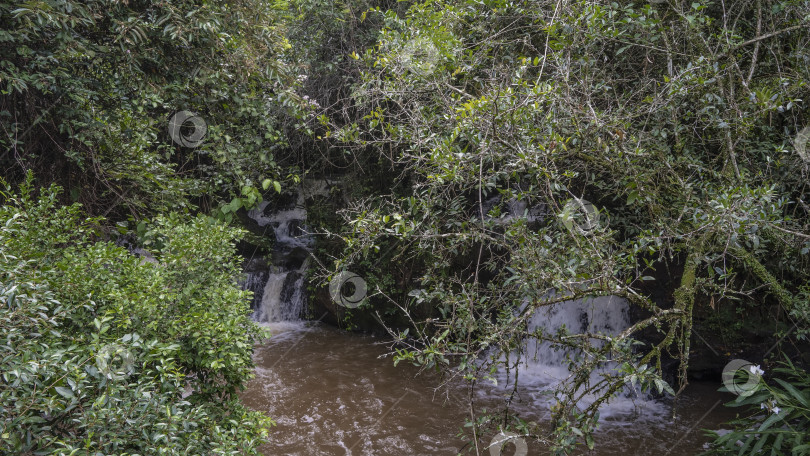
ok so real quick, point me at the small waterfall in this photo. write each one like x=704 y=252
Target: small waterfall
x=542 y=366
x=282 y=298
x=605 y=314
x=278 y=282
x=254 y=281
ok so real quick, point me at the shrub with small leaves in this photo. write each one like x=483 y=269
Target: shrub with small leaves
x=776 y=418
x=104 y=353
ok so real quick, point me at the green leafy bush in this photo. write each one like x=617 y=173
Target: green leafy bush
x=87 y=89
x=105 y=352
x=777 y=417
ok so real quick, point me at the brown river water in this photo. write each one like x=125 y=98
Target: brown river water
x=336 y=393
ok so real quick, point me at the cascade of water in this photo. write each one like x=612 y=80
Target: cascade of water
x=255 y=281
x=286 y=225
x=279 y=290
x=282 y=298
x=543 y=363
x=542 y=366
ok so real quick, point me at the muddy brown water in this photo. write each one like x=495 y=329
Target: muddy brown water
x=335 y=393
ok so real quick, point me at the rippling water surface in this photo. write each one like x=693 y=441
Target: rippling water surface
x=335 y=393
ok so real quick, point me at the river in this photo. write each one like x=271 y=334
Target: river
x=332 y=392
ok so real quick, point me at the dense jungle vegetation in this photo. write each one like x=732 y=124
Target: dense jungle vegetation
x=660 y=147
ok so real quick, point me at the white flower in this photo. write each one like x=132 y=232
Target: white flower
x=776 y=410
x=756 y=370
x=762 y=406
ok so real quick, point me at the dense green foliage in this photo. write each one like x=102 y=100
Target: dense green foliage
x=675 y=119
x=783 y=426
x=103 y=351
x=88 y=89
x=496 y=156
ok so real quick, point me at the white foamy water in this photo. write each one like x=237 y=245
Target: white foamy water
x=544 y=367
x=334 y=393
x=284 y=330
x=283 y=296
x=278 y=289
x=287 y=224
